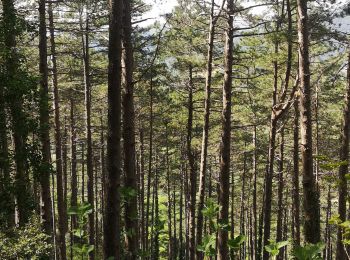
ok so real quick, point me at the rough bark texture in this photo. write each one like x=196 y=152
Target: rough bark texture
x=74 y=180
x=61 y=203
x=343 y=169
x=89 y=154
x=296 y=196
x=280 y=205
x=225 y=144
x=193 y=177
x=148 y=195
x=311 y=199
x=46 y=210
x=111 y=228
x=131 y=223
x=205 y=137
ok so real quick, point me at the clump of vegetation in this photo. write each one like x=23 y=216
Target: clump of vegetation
x=27 y=242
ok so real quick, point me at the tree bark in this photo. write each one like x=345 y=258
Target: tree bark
x=131 y=223
x=169 y=204
x=73 y=148
x=61 y=203
x=344 y=168
x=225 y=144
x=193 y=177
x=280 y=205
x=311 y=198
x=89 y=154
x=296 y=197
x=149 y=165
x=111 y=229
x=46 y=210
x=205 y=137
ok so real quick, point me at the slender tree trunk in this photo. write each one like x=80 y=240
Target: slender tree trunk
x=327 y=238
x=344 y=168
x=242 y=223
x=232 y=252
x=271 y=154
x=131 y=224
x=175 y=243
x=255 y=213
x=82 y=172
x=156 y=222
x=296 y=197
x=73 y=149
x=149 y=166
x=280 y=206
x=61 y=203
x=205 y=137
x=193 y=177
x=181 y=243
x=169 y=204
x=89 y=154
x=111 y=229
x=64 y=163
x=225 y=144
x=142 y=180
x=46 y=210
x=311 y=198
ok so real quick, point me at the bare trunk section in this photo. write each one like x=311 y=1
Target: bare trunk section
x=169 y=204
x=89 y=154
x=192 y=177
x=225 y=144
x=311 y=198
x=46 y=209
x=296 y=196
x=111 y=227
x=205 y=137
x=344 y=168
x=74 y=181
x=131 y=223
x=280 y=205
x=148 y=195
x=61 y=203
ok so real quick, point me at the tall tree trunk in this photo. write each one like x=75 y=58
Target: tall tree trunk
x=242 y=223
x=142 y=197
x=327 y=235
x=15 y=103
x=61 y=203
x=255 y=213
x=156 y=222
x=169 y=204
x=131 y=239
x=82 y=172
x=225 y=144
x=149 y=165
x=181 y=243
x=344 y=168
x=205 y=137
x=280 y=206
x=46 y=210
x=192 y=177
x=111 y=229
x=64 y=163
x=296 y=197
x=73 y=152
x=311 y=198
x=89 y=155
x=271 y=154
